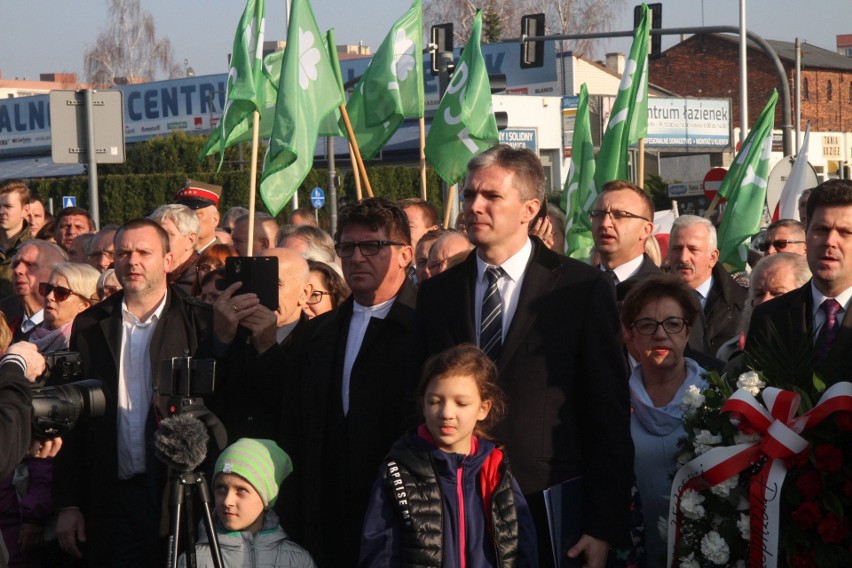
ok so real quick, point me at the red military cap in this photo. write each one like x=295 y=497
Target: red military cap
x=197 y=195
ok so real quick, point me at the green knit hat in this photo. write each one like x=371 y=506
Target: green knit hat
x=260 y=462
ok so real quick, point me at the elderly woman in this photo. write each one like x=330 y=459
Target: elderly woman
x=329 y=289
x=71 y=288
x=656 y=316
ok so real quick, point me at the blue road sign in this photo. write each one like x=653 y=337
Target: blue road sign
x=317 y=198
x=69 y=201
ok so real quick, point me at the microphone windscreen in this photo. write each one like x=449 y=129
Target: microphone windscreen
x=181 y=442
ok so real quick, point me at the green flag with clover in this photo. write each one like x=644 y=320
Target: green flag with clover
x=330 y=125
x=744 y=187
x=391 y=89
x=464 y=123
x=245 y=77
x=307 y=92
x=579 y=193
x=267 y=96
x=628 y=120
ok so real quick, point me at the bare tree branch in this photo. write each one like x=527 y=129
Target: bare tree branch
x=129 y=48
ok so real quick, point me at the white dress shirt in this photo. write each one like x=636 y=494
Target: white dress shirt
x=30 y=323
x=626 y=270
x=819 y=315
x=509 y=285
x=704 y=290
x=135 y=389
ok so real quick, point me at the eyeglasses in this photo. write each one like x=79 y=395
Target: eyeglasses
x=108 y=254
x=437 y=265
x=616 y=214
x=367 y=248
x=779 y=244
x=317 y=296
x=647 y=326
x=60 y=293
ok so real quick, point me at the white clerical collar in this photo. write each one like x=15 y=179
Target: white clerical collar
x=513 y=267
x=376 y=310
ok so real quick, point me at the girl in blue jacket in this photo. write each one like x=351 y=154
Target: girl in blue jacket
x=445 y=496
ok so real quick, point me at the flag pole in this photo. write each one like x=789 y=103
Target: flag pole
x=641 y=172
x=355 y=173
x=354 y=144
x=451 y=195
x=712 y=207
x=423 y=158
x=255 y=135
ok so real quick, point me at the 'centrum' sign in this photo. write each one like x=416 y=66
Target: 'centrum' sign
x=688 y=123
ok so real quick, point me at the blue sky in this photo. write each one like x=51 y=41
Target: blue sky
x=49 y=36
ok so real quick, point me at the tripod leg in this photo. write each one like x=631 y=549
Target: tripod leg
x=176 y=506
x=204 y=497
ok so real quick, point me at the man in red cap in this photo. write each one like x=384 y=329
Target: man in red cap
x=203 y=198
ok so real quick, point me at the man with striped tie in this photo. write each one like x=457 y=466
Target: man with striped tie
x=551 y=325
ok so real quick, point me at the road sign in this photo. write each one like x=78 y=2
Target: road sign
x=68 y=130
x=69 y=201
x=713 y=181
x=317 y=198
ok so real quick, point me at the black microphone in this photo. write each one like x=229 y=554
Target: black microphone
x=181 y=442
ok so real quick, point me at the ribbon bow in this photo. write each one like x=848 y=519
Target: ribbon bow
x=781 y=437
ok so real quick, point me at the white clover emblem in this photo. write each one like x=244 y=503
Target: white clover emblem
x=403 y=59
x=309 y=57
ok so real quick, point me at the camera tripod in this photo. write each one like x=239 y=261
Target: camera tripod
x=181 y=507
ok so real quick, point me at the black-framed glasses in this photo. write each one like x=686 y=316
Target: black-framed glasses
x=779 y=244
x=616 y=214
x=648 y=326
x=367 y=248
x=59 y=292
x=317 y=296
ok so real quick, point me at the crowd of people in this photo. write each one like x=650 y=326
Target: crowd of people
x=420 y=393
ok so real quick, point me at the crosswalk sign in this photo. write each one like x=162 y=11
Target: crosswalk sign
x=69 y=201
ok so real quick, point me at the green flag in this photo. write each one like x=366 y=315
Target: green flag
x=744 y=187
x=307 y=92
x=628 y=120
x=579 y=193
x=464 y=123
x=391 y=89
x=244 y=76
x=267 y=96
x=330 y=125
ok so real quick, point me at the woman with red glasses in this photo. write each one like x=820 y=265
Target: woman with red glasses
x=71 y=288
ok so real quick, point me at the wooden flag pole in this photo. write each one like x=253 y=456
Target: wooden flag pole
x=451 y=195
x=355 y=173
x=255 y=135
x=354 y=144
x=712 y=207
x=423 y=158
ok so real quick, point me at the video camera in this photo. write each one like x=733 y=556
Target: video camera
x=56 y=409
x=185 y=380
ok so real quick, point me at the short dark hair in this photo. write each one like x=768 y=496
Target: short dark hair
x=621 y=185
x=468 y=360
x=141 y=223
x=337 y=286
x=18 y=186
x=831 y=193
x=377 y=213
x=65 y=212
x=430 y=214
x=657 y=287
x=529 y=174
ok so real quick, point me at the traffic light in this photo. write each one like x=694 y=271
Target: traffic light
x=442 y=38
x=532 y=52
x=656 y=23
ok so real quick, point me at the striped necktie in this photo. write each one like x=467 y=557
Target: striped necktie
x=491 y=320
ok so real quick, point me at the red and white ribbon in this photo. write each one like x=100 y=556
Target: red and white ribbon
x=780 y=431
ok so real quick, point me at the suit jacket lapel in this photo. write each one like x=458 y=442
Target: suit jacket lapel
x=111 y=328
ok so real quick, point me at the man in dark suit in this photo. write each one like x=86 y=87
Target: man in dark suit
x=622 y=220
x=551 y=325
x=107 y=483
x=694 y=257
x=810 y=325
x=350 y=402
